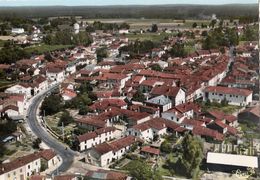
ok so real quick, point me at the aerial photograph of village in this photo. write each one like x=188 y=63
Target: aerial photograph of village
x=129 y=90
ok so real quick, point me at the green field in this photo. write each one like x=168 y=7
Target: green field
x=42 y=48
x=148 y=36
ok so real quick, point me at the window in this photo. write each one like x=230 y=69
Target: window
x=21 y=170
x=220 y=94
x=14 y=173
x=8 y=175
x=172 y=117
x=28 y=166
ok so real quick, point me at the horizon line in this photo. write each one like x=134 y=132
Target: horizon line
x=187 y=4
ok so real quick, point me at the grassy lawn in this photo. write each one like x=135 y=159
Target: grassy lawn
x=42 y=48
x=163 y=170
x=250 y=131
x=148 y=36
x=228 y=109
x=52 y=122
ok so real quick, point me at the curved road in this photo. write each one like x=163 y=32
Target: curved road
x=67 y=155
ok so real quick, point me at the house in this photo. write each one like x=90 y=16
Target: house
x=191 y=123
x=176 y=94
x=207 y=133
x=230 y=162
x=105 y=104
x=222 y=127
x=148 y=130
x=91 y=139
x=147 y=85
x=182 y=111
x=162 y=102
x=17 y=30
x=149 y=151
x=68 y=95
x=105 y=153
x=50 y=158
x=123 y=31
x=106 y=175
x=20 y=89
x=225 y=118
x=234 y=96
x=55 y=74
x=21 y=168
x=250 y=115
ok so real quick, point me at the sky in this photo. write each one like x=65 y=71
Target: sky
x=115 y=2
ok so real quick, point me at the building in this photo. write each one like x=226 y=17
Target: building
x=21 y=168
x=55 y=74
x=18 y=30
x=176 y=94
x=91 y=139
x=162 y=102
x=234 y=96
x=230 y=162
x=105 y=153
x=148 y=130
x=182 y=111
x=50 y=158
x=250 y=115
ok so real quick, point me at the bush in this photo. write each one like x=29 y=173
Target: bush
x=65 y=118
x=36 y=143
x=166 y=147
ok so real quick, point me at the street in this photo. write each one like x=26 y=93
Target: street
x=67 y=155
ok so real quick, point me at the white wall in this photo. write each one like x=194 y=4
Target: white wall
x=236 y=100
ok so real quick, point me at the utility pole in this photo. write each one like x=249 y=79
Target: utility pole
x=44 y=122
x=62 y=131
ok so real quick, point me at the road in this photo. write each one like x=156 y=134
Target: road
x=66 y=155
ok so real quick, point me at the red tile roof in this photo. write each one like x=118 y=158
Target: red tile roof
x=94 y=134
x=115 y=145
x=150 y=150
x=47 y=154
x=228 y=90
x=202 y=131
x=165 y=90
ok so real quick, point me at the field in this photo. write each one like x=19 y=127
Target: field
x=146 y=23
x=148 y=36
x=42 y=48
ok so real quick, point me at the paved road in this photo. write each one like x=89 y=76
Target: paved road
x=67 y=155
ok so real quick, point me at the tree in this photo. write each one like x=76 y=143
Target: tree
x=84 y=110
x=8 y=127
x=166 y=147
x=194 y=25
x=213 y=23
x=154 y=28
x=191 y=155
x=52 y=104
x=101 y=53
x=124 y=26
x=178 y=50
x=65 y=119
x=139 y=96
x=156 y=67
x=140 y=170
x=204 y=33
x=36 y=143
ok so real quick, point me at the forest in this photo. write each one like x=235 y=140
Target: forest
x=154 y=11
